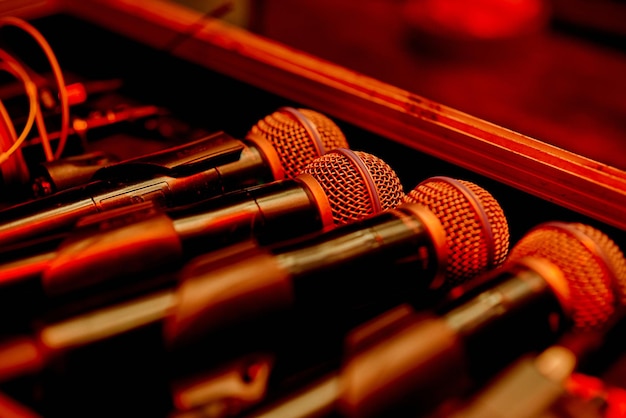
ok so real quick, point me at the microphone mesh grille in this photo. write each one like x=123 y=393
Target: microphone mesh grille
x=477 y=241
x=593 y=272
x=350 y=198
x=293 y=143
x=614 y=258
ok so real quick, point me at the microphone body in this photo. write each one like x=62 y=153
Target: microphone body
x=558 y=277
x=447 y=232
x=278 y=147
x=111 y=252
x=150 y=242
x=280 y=279
x=322 y=276
x=267 y=213
x=406 y=359
x=435 y=358
x=161 y=309
x=221 y=164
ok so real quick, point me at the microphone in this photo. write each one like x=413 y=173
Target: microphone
x=410 y=235
x=277 y=147
x=334 y=189
x=559 y=276
x=447 y=229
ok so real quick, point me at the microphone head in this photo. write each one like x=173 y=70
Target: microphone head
x=357 y=184
x=476 y=230
x=299 y=136
x=591 y=264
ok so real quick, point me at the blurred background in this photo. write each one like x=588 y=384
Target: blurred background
x=551 y=69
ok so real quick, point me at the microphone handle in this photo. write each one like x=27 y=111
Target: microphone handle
x=325 y=278
x=275 y=210
x=435 y=358
x=420 y=362
x=165 y=183
x=408 y=235
x=83 y=356
x=268 y=213
x=95 y=259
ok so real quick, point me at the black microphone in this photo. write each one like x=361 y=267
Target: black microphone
x=558 y=277
x=557 y=380
x=449 y=230
x=411 y=235
x=334 y=189
x=277 y=147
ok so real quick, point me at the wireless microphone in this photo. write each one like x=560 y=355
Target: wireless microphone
x=456 y=231
x=411 y=235
x=447 y=232
x=277 y=147
x=559 y=276
x=334 y=189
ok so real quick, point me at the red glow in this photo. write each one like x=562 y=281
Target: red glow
x=616 y=399
x=76 y=93
x=590 y=387
x=586 y=387
x=481 y=19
